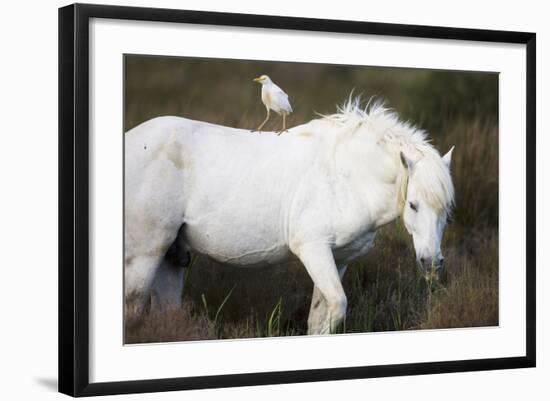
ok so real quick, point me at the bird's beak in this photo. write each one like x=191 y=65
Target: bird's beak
x=257 y=79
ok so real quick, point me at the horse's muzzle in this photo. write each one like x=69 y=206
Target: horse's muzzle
x=430 y=268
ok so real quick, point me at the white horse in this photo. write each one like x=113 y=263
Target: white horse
x=317 y=194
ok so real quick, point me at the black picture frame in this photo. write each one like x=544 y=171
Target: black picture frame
x=74 y=198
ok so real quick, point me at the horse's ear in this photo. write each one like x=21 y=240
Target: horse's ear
x=407 y=162
x=448 y=156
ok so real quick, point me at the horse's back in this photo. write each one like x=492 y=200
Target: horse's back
x=211 y=178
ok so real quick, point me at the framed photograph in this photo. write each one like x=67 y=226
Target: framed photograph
x=251 y=199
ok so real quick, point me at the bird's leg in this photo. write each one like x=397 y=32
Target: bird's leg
x=262 y=124
x=284 y=124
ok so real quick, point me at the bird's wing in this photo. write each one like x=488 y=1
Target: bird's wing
x=288 y=107
x=283 y=98
x=279 y=91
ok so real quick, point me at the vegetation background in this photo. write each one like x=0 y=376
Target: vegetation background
x=384 y=292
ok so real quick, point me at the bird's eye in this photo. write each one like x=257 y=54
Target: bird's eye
x=413 y=206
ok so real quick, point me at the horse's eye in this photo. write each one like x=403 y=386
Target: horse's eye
x=450 y=219
x=413 y=206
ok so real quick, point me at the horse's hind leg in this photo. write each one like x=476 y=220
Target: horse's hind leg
x=144 y=254
x=319 y=263
x=167 y=289
x=318 y=311
x=139 y=272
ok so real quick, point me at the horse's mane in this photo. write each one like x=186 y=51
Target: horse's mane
x=432 y=177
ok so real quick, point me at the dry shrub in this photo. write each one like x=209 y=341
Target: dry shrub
x=471 y=297
x=171 y=325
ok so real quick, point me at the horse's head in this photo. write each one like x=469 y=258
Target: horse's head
x=429 y=196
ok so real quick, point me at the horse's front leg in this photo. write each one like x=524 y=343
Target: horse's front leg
x=319 y=309
x=319 y=263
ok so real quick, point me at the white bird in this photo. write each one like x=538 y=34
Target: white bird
x=274 y=98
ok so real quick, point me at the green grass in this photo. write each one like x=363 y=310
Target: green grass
x=383 y=289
